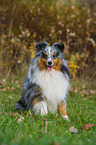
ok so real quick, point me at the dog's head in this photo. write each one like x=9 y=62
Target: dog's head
x=50 y=56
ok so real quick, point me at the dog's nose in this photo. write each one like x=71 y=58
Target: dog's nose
x=49 y=62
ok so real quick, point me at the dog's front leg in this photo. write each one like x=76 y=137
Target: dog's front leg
x=39 y=107
x=62 y=110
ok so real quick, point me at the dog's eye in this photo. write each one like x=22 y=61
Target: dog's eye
x=45 y=56
x=54 y=56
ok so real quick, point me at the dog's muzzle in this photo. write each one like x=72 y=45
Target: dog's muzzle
x=50 y=65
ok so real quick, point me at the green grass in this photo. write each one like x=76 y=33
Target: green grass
x=81 y=110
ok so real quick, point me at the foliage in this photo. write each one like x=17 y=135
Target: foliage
x=25 y=128
x=25 y=23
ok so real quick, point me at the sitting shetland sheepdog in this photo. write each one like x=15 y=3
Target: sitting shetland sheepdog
x=46 y=85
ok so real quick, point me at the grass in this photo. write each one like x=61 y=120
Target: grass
x=50 y=129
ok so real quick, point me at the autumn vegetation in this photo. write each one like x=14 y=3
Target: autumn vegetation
x=23 y=23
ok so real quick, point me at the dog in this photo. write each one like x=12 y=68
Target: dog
x=46 y=86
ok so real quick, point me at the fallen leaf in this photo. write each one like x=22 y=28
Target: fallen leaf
x=7 y=87
x=18 y=86
x=4 y=89
x=16 y=82
x=13 y=88
x=87 y=126
x=83 y=98
x=12 y=81
x=10 y=97
x=14 y=114
x=36 y=117
x=20 y=119
x=2 y=83
x=24 y=114
x=82 y=114
x=75 y=91
x=92 y=92
x=83 y=86
x=73 y=129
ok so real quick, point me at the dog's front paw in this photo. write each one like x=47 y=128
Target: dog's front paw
x=66 y=117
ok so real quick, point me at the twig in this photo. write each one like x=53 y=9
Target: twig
x=13 y=62
x=46 y=126
x=11 y=24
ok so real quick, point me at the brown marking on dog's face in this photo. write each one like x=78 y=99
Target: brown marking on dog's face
x=49 y=60
x=42 y=63
x=46 y=54
x=57 y=63
x=53 y=54
x=62 y=109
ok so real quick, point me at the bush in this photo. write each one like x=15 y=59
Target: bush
x=25 y=23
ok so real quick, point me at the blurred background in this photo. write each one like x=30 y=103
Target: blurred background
x=24 y=23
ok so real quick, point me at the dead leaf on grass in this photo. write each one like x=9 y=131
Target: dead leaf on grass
x=36 y=117
x=20 y=119
x=12 y=82
x=8 y=87
x=10 y=97
x=83 y=98
x=4 y=89
x=16 y=82
x=92 y=92
x=73 y=129
x=18 y=86
x=76 y=89
x=83 y=87
x=87 y=126
x=82 y=114
x=2 y=84
x=14 y=114
x=12 y=88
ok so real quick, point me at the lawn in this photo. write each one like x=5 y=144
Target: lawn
x=27 y=129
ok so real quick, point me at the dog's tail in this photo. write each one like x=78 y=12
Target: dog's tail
x=20 y=106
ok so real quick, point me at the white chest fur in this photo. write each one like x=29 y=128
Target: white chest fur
x=54 y=86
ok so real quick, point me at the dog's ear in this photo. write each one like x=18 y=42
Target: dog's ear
x=41 y=45
x=61 y=47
